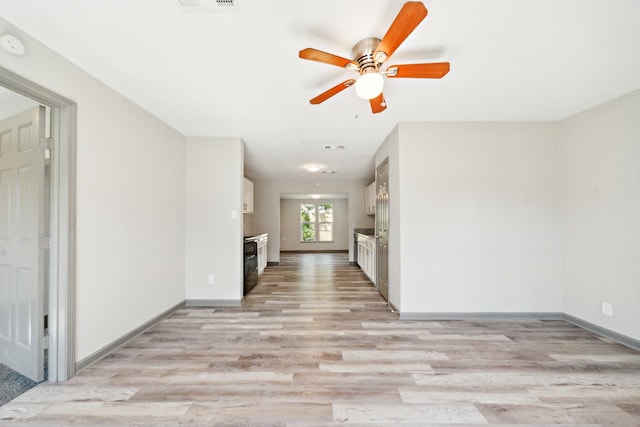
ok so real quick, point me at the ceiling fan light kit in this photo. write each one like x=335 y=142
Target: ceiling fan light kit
x=369 y=85
x=369 y=55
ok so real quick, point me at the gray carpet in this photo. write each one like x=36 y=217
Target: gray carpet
x=12 y=384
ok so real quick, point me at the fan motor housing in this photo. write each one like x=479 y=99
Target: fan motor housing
x=363 y=54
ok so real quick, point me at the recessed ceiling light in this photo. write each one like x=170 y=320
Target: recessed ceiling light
x=12 y=44
x=329 y=171
x=313 y=167
x=209 y=5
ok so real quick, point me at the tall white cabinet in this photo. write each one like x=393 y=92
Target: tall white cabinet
x=370 y=199
x=247 y=196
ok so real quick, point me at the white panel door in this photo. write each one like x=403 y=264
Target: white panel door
x=21 y=252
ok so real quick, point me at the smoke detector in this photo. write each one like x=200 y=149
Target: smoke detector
x=209 y=5
x=12 y=44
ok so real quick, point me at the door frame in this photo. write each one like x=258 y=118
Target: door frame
x=62 y=223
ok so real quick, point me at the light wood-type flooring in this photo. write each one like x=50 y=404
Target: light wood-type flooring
x=315 y=345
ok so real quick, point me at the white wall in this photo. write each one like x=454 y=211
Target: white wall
x=600 y=205
x=266 y=217
x=479 y=217
x=214 y=168
x=12 y=103
x=247 y=224
x=290 y=226
x=130 y=201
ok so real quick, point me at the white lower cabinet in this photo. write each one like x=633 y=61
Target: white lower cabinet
x=262 y=252
x=367 y=256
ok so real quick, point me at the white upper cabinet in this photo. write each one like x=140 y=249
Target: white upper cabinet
x=370 y=199
x=247 y=206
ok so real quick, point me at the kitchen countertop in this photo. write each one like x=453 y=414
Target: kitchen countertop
x=255 y=236
x=366 y=236
x=365 y=231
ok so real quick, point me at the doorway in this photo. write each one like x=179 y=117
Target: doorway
x=60 y=238
x=314 y=222
x=24 y=216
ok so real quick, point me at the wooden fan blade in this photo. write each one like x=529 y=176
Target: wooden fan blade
x=435 y=70
x=378 y=104
x=334 y=90
x=411 y=14
x=320 y=56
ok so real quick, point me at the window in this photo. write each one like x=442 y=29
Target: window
x=316 y=222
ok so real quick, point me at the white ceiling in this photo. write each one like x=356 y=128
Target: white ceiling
x=238 y=73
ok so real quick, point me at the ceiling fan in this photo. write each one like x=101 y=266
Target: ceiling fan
x=369 y=54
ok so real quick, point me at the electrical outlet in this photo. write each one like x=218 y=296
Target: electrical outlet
x=212 y=279
x=607 y=309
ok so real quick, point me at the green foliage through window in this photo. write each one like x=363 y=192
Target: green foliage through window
x=316 y=222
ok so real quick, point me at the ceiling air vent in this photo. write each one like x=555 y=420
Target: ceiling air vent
x=209 y=5
x=333 y=147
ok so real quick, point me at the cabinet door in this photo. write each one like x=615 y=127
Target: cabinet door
x=372 y=198
x=260 y=258
x=262 y=254
x=247 y=206
x=366 y=200
x=370 y=260
x=367 y=267
x=366 y=262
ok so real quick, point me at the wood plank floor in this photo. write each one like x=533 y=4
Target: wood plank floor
x=315 y=345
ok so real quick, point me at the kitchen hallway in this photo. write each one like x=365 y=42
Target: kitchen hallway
x=314 y=344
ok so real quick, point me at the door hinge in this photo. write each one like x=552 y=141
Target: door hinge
x=46 y=143
x=45 y=341
x=46 y=243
